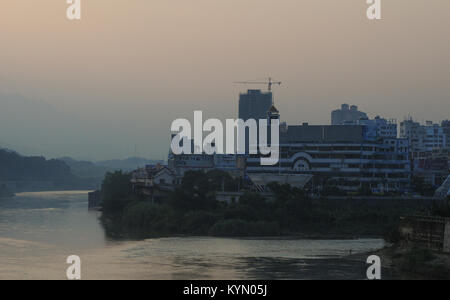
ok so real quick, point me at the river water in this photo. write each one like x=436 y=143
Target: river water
x=38 y=231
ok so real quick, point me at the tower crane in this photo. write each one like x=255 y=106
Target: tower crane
x=269 y=83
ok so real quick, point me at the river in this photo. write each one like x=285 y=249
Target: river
x=38 y=231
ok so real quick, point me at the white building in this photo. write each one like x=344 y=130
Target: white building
x=435 y=137
x=378 y=128
x=423 y=139
x=152 y=177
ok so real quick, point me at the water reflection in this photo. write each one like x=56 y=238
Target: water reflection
x=212 y=258
x=57 y=218
x=39 y=230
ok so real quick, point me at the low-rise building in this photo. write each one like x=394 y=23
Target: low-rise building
x=415 y=133
x=424 y=139
x=429 y=232
x=446 y=127
x=434 y=137
x=428 y=150
x=153 y=181
x=182 y=163
x=377 y=128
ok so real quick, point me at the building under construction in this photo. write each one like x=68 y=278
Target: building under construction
x=429 y=232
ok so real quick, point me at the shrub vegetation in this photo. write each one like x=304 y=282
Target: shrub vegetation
x=192 y=210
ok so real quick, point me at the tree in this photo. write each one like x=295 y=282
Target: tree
x=365 y=190
x=116 y=191
x=4 y=191
x=419 y=185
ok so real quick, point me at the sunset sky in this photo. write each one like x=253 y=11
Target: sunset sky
x=96 y=88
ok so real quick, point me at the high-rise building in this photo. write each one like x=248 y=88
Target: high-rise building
x=254 y=105
x=272 y=115
x=347 y=114
x=446 y=126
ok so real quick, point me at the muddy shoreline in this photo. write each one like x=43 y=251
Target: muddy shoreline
x=400 y=263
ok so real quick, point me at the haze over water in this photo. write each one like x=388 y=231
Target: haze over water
x=38 y=231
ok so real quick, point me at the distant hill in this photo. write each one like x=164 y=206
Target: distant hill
x=128 y=164
x=13 y=166
x=30 y=173
x=20 y=173
x=85 y=169
x=95 y=171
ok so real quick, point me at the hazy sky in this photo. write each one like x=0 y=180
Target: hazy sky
x=95 y=88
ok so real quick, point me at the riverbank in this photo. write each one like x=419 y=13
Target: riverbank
x=406 y=263
x=143 y=220
x=193 y=210
x=115 y=231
